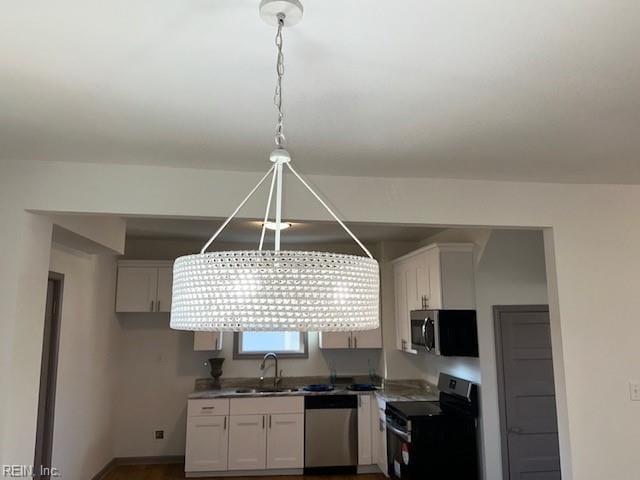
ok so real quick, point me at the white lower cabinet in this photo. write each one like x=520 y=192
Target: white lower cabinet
x=244 y=434
x=261 y=433
x=364 y=430
x=247 y=442
x=379 y=435
x=207 y=444
x=285 y=440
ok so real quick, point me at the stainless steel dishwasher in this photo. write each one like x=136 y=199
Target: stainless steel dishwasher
x=331 y=434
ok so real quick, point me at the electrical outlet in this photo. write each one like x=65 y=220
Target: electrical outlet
x=634 y=390
x=159 y=434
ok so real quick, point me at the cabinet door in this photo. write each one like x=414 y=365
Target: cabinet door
x=247 y=442
x=206 y=341
x=364 y=430
x=367 y=338
x=402 y=313
x=136 y=289
x=207 y=444
x=285 y=441
x=163 y=298
x=411 y=273
x=423 y=282
x=379 y=431
x=335 y=340
x=432 y=262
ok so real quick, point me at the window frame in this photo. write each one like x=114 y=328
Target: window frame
x=239 y=355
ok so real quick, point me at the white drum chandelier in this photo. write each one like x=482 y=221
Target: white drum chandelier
x=275 y=290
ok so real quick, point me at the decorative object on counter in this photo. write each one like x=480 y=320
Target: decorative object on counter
x=361 y=387
x=318 y=387
x=261 y=290
x=215 y=368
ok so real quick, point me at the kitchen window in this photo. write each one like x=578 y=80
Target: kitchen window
x=256 y=344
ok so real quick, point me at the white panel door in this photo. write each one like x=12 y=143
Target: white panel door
x=207 y=444
x=335 y=340
x=367 y=338
x=285 y=441
x=205 y=341
x=136 y=289
x=165 y=280
x=364 y=430
x=247 y=442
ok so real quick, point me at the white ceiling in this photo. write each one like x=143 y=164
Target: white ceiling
x=249 y=231
x=500 y=89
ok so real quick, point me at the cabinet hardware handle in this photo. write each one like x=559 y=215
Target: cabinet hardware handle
x=217 y=341
x=381 y=425
x=269 y=421
x=355 y=342
x=263 y=422
x=208 y=408
x=151 y=307
x=225 y=423
x=158 y=306
x=349 y=341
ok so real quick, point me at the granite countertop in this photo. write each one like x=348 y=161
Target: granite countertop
x=389 y=391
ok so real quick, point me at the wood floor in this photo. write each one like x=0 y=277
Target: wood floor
x=175 y=471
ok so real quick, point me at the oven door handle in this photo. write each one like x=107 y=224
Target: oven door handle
x=403 y=435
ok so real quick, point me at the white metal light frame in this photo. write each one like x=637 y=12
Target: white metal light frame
x=275 y=290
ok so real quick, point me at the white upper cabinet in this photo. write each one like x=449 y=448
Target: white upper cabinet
x=165 y=281
x=403 y=301
x=206 y=341
x=360 y=339
x=367 y=338
x=335 y=340
x=436 y=277
x=137 y=288
x=144 y=286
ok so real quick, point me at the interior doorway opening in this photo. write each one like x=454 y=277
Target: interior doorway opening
x=48 y=375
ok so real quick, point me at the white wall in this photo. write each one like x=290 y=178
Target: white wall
x=595 y=232
x=86 y=401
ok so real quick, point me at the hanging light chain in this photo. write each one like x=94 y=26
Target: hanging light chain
x=277 y=97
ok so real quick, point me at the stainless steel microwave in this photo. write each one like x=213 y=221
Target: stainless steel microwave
x=452 y=333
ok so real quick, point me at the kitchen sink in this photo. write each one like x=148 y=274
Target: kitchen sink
x=265 y=390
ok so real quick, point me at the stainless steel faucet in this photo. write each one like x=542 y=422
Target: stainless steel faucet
x=277 y=377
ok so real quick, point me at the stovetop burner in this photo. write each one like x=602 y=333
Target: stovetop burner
x=318 y=387
x=362 y=387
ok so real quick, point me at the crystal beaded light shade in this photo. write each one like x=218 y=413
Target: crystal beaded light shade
x=252 y=290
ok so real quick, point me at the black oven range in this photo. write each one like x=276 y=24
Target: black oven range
x=435 y=440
